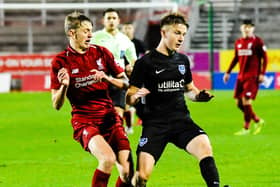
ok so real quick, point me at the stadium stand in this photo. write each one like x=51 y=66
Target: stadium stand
x=227 y=17
x=35 y=31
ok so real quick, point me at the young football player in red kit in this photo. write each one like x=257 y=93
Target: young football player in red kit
x=250 y=52
x=81 y=73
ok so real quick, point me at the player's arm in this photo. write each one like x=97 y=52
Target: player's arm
x=194 y=94
x=264 y=61
x=231 y=66
x=134 y=93
x=120 y=81
x=59 y=95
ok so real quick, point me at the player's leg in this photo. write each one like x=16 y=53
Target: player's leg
x=145 y=167
x=127 y=115
x=106 y=160
x=250 y=91
x=125 y=167
x=151 y=146
x=200 y=148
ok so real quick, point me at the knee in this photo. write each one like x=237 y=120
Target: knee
x=206 y=149
x=144 y=175
x=107 y=161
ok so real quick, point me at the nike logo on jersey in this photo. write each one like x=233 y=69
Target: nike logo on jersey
x=159 y=71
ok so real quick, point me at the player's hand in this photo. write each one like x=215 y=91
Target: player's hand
x=261 y=78
x=99 y=76
x=63 y=77
x=204 y=96
x=226 y=77
x=142 y=92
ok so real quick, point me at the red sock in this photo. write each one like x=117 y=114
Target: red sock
x=247 y=115
x=120 y=183
x=127 y=117
x=100 y=179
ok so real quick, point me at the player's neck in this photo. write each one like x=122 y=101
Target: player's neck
x=113 y=32
x=77 y=49
x=165 y=50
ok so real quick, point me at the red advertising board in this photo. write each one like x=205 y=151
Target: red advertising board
x=25 y=64
x=35 y=83
x=202 y=80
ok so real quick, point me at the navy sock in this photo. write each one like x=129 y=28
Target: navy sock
x=209 y=172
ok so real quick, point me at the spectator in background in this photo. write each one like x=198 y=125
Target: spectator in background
x=250 y=52
x=81 y=73
x=128 y=29
x=161 y=77
x=121 y=47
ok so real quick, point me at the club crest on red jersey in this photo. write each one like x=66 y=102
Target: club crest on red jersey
x=182 y=69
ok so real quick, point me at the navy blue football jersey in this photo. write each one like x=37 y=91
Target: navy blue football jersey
x=165 y=77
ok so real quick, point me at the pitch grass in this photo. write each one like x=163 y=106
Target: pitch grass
x=37 y=149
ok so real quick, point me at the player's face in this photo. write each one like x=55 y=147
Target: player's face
x=111 y=21
x=174 y=35
x=128 y=30
x=81 y=36
x=247 y=30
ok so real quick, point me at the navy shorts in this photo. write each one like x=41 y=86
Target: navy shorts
x=156 y=135
x=118 y=96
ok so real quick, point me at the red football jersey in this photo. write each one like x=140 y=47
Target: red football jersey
x=89 y=99
x=251 y=55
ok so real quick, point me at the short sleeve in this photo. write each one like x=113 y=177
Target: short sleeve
x=137 y=75
x=55 y=67
x=188 y=75
x=130 y=52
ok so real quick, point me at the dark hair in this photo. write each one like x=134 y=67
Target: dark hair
x=173 y=18
x=74 y=20
x=110 y=10
x=248 y=22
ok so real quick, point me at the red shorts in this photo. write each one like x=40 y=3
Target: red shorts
x=114 y=133
x=246 y=88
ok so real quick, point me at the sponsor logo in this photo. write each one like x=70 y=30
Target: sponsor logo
x=267 y=81
x=159 y=71
x=143 y=141
x=84 y=81
x=245 y=52
x=171 y=86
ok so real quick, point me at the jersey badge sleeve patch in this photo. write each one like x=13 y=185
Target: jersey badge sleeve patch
x=182 y=69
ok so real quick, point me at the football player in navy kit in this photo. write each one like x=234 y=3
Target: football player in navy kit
x=159 y=80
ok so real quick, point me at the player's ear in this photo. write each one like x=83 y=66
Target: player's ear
x=71 y=32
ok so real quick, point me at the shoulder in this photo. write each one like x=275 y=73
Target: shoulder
x=98 y=32
x=258 y=39
x=182 y=58
x=123 y=38
x=100 y=50
x=59 y=58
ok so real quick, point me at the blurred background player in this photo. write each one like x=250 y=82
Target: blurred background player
x=129 y=30
x=250 y=52
x=121 y=47
x=81 y=72
x=166 y=75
